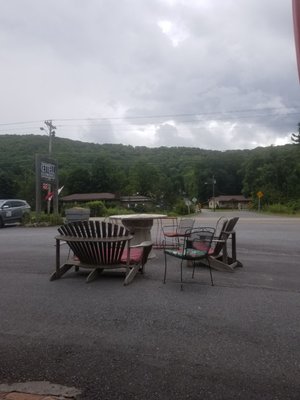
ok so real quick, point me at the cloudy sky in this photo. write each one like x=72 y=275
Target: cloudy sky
x=214 y=74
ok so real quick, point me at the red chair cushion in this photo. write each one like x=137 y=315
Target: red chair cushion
x=135 y=255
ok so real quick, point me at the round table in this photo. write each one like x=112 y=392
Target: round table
x=139 y=225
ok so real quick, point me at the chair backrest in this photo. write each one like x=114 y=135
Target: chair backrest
x=200 y=239
x=231 y=224
x=221 y=223
x=98 y=252
x=185 y=224
x=226 y=230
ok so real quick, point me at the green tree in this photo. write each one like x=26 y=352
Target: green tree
x=107 y=176
x=296 y=136
x=7 y=186
x=79 y=181
x=144 y=179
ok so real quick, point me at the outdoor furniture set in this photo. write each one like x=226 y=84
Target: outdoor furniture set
x=98 y=245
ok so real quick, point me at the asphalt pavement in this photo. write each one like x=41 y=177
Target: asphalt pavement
x=236 y=340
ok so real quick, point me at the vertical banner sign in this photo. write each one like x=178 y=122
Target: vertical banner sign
x=296 y=19
x=46 y=173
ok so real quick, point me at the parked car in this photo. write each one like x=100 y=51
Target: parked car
x=13 y=210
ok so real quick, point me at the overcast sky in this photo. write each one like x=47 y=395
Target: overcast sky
x=214 y=74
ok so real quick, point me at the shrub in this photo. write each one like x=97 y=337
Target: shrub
x=97 y=208
x=180 y=208
x=280 y=209
x=117 y=211
x=44 y=220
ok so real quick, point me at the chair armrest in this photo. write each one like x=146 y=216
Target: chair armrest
x=146 y=243
x=140 y=256
x=168 y=228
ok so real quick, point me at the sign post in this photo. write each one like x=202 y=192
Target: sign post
x=46 y=173
x=259 y=195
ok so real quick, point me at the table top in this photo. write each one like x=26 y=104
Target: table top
x=138 y=216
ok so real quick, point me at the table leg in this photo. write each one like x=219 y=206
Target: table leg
x=141 y=231
x=57 y=256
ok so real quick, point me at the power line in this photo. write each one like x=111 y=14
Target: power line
x=137 y=117
x=124 y=128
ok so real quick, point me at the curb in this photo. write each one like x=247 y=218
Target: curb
x=27 y=396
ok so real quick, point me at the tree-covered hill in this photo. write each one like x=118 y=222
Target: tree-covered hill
x=166 y=174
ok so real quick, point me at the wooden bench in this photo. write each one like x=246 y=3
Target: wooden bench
x=97 y=246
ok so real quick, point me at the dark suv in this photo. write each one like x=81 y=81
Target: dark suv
x=12 y=211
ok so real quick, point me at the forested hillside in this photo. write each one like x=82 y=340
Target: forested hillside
x=165 y=174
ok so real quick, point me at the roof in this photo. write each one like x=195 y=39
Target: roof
x=89 y=197
x=232 y=198
x=135 y=199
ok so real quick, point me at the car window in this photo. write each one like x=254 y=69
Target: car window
x=16 y=203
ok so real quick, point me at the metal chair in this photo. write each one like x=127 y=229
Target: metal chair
x=196 y=247
x=176 y=232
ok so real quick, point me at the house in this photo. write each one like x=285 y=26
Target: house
x=231 y=202
x=135 y=201
x=125 y=201
x=86 y=197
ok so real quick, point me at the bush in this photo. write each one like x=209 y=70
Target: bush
x=180 y=208
x=280 y=209
x=44 y=220
x=294 y=205
x=117 y=211
x=97 y=208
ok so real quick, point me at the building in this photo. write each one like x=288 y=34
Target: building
x=136 y=201
x=125 y=201
x=239 y=202
x=86 y=197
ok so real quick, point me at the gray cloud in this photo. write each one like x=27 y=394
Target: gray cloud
x=223 y=72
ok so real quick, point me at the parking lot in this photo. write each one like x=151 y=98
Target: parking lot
x=238 y=339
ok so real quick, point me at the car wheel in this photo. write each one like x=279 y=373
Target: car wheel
x=1 y=223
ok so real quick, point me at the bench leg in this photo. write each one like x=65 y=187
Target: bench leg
x=93 y=275
x=131 y=274
x=60 y=271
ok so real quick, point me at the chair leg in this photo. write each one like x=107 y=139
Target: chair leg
x=131 y=274
x=210 y=271
x=181 y=281
x=165 y=274
x=62 y=270
x=93 y=275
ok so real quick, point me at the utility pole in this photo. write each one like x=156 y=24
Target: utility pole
x=50 y=129
x=213 y=191
x=51 y=132
x=213 y=185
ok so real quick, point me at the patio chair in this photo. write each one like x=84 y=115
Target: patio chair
x=196 y=246
x=172 y=234
x=98 y=246
x=218 y=254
